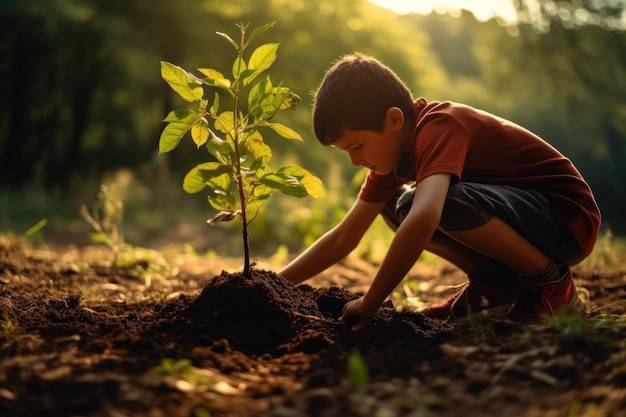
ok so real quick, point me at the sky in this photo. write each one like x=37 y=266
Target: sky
x=482 y=9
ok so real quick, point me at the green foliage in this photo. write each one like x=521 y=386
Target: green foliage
x=592 y=328
x=97 y=108
x=239 y=175
x=36 y=228
x=358 y=373
x=7 y=326
x=608 y=253
x=106 y=219
x=432 y=402
x=201 y=412
x=183 y=368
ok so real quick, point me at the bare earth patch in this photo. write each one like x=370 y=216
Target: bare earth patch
x=187 y=336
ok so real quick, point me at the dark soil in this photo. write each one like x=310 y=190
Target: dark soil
x=183 y=337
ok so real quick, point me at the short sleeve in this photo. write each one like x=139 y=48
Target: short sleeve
x=442 y=146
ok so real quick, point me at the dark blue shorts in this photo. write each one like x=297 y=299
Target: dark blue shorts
x=470 y=205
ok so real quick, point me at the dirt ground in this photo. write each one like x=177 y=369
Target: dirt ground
x=86 y=333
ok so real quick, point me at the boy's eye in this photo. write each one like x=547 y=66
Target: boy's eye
x=356 y=147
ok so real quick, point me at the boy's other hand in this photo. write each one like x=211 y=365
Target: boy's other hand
x=358 y=313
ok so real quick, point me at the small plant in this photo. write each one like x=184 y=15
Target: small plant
x=238 y=173
x=106 y=219
x=7 y=325
x=358 y=373
x=594 y=327
x=604 y=253
x=32 y=231
x=183 y=368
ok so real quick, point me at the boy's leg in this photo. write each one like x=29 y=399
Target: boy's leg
x=494 y=218
x=398 y=207
x=491 y=287
x=516 y=227
x=468 y=260
x=474 y=215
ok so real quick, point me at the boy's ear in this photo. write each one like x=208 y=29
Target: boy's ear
x=395 y=118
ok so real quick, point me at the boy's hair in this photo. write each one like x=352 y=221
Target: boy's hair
x=355 y=94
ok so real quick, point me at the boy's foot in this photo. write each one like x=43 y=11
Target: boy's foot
x=538 y=301
x=474 y=298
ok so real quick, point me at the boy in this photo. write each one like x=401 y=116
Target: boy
x=489 y=196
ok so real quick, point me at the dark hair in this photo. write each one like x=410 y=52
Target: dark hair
x=355 y=94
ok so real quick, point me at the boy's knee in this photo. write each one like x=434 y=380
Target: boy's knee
x=399 y=205
x=462 y=210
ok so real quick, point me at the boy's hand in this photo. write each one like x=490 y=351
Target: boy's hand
x=357 y=312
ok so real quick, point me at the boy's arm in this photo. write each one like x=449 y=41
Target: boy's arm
x=411 y=238
x=335 y=245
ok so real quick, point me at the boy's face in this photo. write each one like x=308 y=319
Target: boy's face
x=378 y=151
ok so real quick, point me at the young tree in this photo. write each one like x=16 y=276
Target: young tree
x=239 y=174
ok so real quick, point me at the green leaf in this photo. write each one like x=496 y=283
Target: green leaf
x=223 y=201
x=261 y=59
x=215 y=78
x=286 y=184
x=261 y=192
x=246 y=74
x=211 y=174
x=181 y=81
x=239 y=66
x=312 y=184
x=219 y=148
x=225 y=122
x=216 y=104
x=285 y=131
x=264 y=101
x=200 y=132
x=259 y=166
x=358 y=372
x=220 y=183
x=100 y=237
x=182 y=115
x=256 y=96
x=253 y=207
x=171 y=137
x=290 y=102
x=258 y=31
x=180 y=121
x=267 y=101
x=257 y=147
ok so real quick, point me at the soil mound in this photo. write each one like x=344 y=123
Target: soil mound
x=266 y=314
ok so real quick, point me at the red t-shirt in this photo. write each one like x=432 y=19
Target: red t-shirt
x=475 y=146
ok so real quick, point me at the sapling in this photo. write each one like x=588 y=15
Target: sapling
x=238 y=173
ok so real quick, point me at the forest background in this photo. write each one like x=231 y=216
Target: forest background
x=83 y=101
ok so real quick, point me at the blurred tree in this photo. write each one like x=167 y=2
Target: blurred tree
x=51 y=81
x=571 y=14
x=583 y=72
x=82 y=92
x=566 y=83
x=83 y=80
